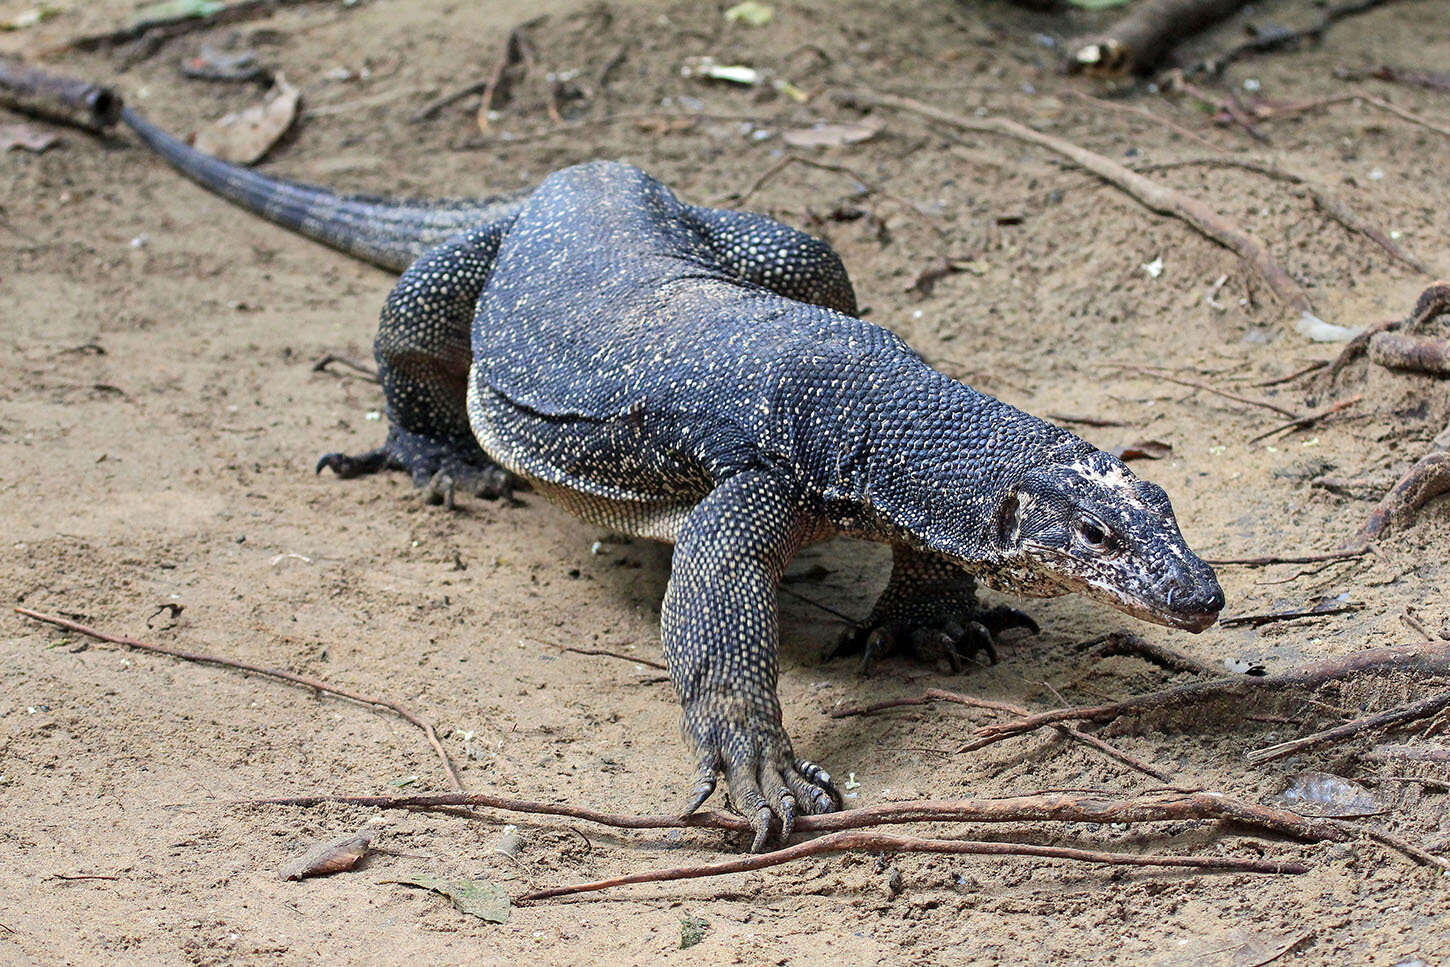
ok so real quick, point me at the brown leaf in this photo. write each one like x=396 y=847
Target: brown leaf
x=244 y=137
x=831 y=135
x=334 y=856
x=1143 y=450
x=26 y=136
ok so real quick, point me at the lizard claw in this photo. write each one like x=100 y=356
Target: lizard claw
x=767 y=783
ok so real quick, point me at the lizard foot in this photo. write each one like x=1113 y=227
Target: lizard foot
x=956 y=635
x=440 y=468
x=766 y=781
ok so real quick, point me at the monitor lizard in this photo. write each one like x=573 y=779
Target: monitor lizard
x=700 y=376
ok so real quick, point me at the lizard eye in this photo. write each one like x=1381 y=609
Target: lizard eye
x=1093 y=534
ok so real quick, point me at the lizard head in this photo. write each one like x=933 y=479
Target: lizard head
x=1087 y=524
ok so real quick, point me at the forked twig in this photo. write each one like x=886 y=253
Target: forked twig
x=933 y=695
x=885 y=842
x=1155 y=197
x=1396 y=716
x=1425 y=658
x=274 y=673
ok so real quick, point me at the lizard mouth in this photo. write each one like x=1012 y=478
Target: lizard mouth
x=1192 y=619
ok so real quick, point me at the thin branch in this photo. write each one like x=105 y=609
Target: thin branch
x=1413 y=712
x=1330 y=204
x=1155 y=197
x=603 y=653
x=933 y=695
x=1142 y=112
x=1426 y=658
x=883 y=842
x=1270 y=559
x=1095 y=808
x=1308 y=419
x=274 y=673
x=165 y=28
x=1298 y=373
x=1208 y=387
x=1270 y=617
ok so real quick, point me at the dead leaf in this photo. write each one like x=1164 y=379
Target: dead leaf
x=334 y=856
x=244 y=137
x=831 y=135
x=1143 y=450
x=26 y=136
x=477 y=898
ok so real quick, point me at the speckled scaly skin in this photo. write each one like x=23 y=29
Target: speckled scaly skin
x=699 y=376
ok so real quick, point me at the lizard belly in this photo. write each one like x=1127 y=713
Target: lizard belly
x=609 y=475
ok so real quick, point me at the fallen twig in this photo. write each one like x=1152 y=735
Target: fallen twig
x=1056 y=807
x=367 y=372
x=1413 y=712
x=1156 y=197
x=1297 y=374
x=1322 y=198
x=602 y=653
x=1207 y=387
x=1429 y=477
x=883 y=842
x=275 y=673
x=1425 y=658
x=1278 y=38
x=933 y=695
x=165 y=28
x=1270 y=617
x=1270 y=559
x=1143 y=112
x=1434 y=80
x=1308 y=419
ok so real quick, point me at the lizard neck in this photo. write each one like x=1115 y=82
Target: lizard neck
x=913 y=456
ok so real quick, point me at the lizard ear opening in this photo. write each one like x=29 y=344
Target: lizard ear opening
x=1008 y=519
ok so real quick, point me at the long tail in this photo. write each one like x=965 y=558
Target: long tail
x=389 y=233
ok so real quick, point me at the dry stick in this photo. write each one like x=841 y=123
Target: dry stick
x=933 y=695
x=1143 y=112
x=1156 y=197
x=1434 y=80
x=1394 y=842
x=1309 y=419
x=883 y=842
x=164 y=28
x=602 y=653
x=1415 y=711
x=1268 y=113
x=1270 y=617
x=1096 y=808
x=364 y=369
x=1280 y=380
x=275 y=673
x=1269 y=559
x=1226 y=394
x=1426 y=658
x=1326 y=202
x=1271 y=40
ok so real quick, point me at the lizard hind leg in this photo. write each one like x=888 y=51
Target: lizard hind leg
x=930 y=607
x=423 y=349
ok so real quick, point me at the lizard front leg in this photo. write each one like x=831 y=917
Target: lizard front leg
x=720 y=636
x=930 y=605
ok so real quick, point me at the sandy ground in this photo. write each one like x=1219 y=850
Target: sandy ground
x=161 y=416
